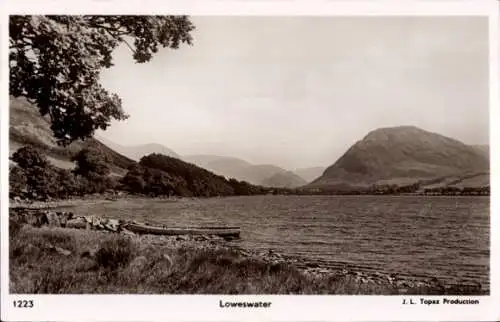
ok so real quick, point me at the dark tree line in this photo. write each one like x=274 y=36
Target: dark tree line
x=158 y=174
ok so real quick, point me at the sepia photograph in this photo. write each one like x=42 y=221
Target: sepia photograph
x=249 y=155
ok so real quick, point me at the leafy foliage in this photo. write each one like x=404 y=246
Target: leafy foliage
x=133 y=180
x=89 y=162
x=18 y=181
x=29 y=157
x=55 y=62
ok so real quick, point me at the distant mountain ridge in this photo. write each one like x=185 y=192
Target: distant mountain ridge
x=286 y=179
x=260 y=174
x=156 y=174
x=402 y=155
x=399 y=155
x=136 y=152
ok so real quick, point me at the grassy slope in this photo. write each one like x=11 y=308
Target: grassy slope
x=28 y=127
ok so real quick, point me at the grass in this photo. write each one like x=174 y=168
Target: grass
x=103 y=263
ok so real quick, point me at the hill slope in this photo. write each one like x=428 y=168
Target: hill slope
x=226 y=166
x=482 y=149
x=161 y=173
x=242 y=170
x=27 y=126
x=402 y=155
x=186 y=179
x=310 y=174
x=136 y=152
x=284 y=180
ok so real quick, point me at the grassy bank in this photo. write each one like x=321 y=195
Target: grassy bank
x=70 y=261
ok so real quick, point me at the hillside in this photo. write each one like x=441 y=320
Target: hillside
x=242 y=170
x=482 y=149
x=176 y=177
x=284 y=180
x=226 y=166
x=136 y=152
x=403 y=155
x=27 y=126
x=309 y=174
x=156 y=174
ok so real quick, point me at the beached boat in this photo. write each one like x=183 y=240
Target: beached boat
x=226 y=232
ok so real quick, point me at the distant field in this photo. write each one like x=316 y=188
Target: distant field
x=398 y=181
x=477 y=181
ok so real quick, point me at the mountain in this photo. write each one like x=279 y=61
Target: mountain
x=136 y=152
x=260 y=172
x=157 y=174
x=309 y=174
x=242 y=170
x=226 y=166
x=483 y=149
x=27 y=126
x=403 y=155
x=286 y=179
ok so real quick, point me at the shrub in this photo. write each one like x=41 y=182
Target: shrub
x=14 y=228
x=28 y=157
x=18 y=182
x=115 y=253
x=91 y=161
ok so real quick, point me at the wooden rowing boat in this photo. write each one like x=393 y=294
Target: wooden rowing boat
x=233 y=232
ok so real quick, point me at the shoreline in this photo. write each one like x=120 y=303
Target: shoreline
x=314 y=269
x=211 y=249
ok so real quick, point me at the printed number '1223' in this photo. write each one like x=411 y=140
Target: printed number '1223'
x=23 y=303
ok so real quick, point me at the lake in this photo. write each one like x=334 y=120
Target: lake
x=439 y=236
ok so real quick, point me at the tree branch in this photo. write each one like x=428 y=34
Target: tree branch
x=126 y=43
x=119 y=37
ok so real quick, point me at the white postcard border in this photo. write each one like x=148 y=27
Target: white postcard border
x=283 y=308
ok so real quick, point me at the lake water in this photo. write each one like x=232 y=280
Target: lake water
x=443 y=237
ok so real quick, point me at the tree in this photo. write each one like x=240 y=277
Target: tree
x=90 y=162
x=28 y=157
x=18 y=181
x=55 y=62
x=133 y=181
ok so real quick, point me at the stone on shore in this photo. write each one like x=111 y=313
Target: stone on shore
x=111 y=224
x=79 y=223
x=52 y=219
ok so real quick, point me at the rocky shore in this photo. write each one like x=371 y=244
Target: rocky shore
x=403 y=284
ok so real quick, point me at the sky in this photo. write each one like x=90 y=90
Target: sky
x=299 y=91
